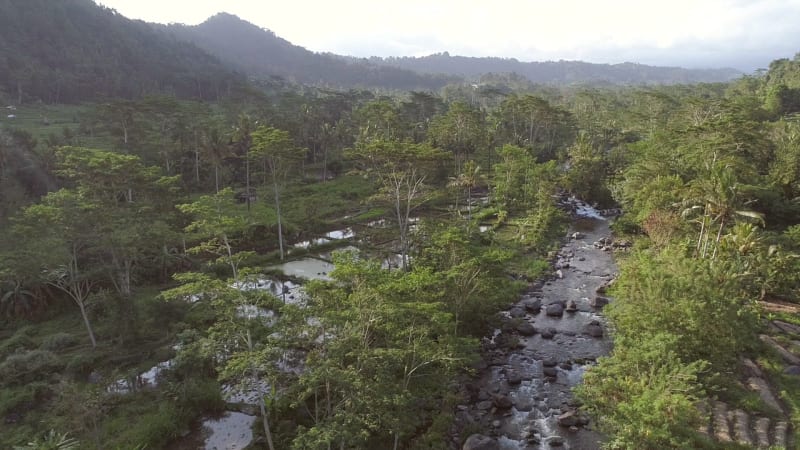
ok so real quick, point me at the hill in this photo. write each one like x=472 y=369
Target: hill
x=74 y=50
x=261 y=53
x=558 y=72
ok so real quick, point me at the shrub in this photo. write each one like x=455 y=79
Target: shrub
x=25 y=367
x=58 y=341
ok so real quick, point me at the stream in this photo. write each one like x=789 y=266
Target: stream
x=521 y=396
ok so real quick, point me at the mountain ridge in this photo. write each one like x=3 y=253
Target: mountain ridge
x=261 y=52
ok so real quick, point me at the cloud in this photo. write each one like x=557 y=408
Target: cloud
x=741 y=33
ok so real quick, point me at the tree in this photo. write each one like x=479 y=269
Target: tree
x=280 y=156
x=382 y=350
x=468 y=179
x=401 y=168
x=462 y=130
x=67 y=262
x=132 y=204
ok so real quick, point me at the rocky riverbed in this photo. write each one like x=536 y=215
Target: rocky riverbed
x=521 y=397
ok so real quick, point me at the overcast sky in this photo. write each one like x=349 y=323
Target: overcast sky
x=744 y=34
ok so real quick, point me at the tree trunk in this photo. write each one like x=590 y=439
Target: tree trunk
x=85 y=317
x=216 y=177
x=278 y=211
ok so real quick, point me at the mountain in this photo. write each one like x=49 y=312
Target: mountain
x=260 y=53
x=74 y=50
x=558 y=72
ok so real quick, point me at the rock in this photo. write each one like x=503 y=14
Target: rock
x=571 y=306
x=555 y=310
x=548 y=333
x=566 y=365
x=550 y=372
x=526 y=329
x=577 y=235
x=559 y=274
x=501 y=401
x=533 y=305
x=598 y=301
x=480 y=442
x=517 y=312
x=555 y=441
x=513 y=377
x=549 y=362
x=568 y=419
x=95 y=377
x=496 y=424
x=792 y=370
x=594 y=330
x=484 y=405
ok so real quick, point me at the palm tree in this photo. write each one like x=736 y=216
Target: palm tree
x=717 y=196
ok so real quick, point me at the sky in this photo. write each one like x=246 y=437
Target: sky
x=743 y=34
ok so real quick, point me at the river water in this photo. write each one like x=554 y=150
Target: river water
x=525 y=378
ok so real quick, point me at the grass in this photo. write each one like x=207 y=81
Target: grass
x=43 y=121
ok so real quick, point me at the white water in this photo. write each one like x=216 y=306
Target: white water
x=232 y=431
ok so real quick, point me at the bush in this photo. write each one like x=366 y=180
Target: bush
x=81 y=364
x=644 y=396
x=20 y=341
x=58 y=341
x=25 y=367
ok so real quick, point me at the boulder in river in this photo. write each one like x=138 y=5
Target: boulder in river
x=480 y=442
x=548 y=333
x=571 y=306
x=513 y=377
x=533 y=305
x=569 y=419
x=502 y=402
x=598 y=301
x=526 y=329
x=555 y=310
x=517 y=312
x=594 y=329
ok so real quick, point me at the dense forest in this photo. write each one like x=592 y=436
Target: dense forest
x=301 y=267
x=72 y=51
x=558 y=72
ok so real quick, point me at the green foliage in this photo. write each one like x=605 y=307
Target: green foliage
x=58 y=341
x=51 y=441
x=699 y=301
x=644 y=395
x=28 y=366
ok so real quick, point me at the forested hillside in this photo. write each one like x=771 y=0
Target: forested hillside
x=558 y=72
x=261 y=53
x=74 y=51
